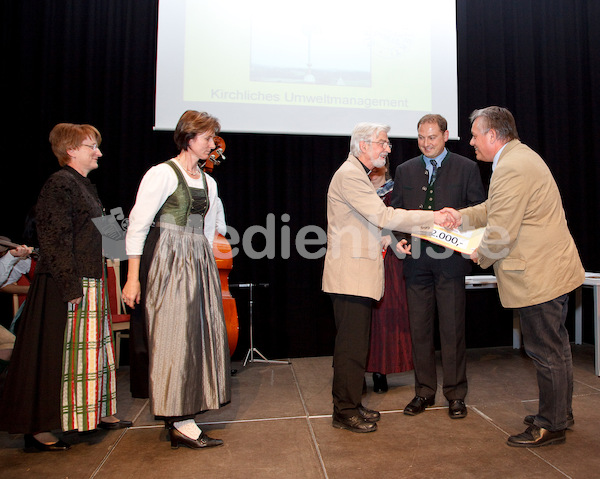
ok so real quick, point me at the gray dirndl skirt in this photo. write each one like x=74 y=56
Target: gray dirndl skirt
x=189 y=353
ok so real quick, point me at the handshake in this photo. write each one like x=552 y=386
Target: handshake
x=447 y=218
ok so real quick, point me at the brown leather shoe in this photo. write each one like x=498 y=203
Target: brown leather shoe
x=369 y=414
x=418 y=405
x=535 y=436
x=354 y=423
x=528 y=421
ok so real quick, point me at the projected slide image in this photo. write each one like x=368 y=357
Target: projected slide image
x=275 y=66
x=277 y=53
x=313 y=52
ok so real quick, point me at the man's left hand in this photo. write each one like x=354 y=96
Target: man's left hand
x=474 y=256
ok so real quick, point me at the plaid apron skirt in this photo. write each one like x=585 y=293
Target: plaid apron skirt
x=88 y=390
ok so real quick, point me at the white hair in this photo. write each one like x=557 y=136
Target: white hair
x=365 y=132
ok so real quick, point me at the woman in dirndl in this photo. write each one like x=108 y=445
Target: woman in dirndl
x=173 y=275
x=390 y=349
x=62 y=371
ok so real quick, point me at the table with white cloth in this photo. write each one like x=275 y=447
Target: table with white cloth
x=592 y=280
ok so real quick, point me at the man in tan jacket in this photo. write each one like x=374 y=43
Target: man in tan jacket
x=353 y=272
x=535 y=260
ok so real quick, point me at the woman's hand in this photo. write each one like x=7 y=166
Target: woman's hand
x=76 y=300
x=132 y=292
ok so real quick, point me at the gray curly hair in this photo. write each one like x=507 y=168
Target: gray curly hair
x=365 y=132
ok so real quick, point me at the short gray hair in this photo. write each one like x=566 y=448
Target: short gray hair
x=498 y=119
x=365 y=132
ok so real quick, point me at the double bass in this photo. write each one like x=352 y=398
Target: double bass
x=224 y=258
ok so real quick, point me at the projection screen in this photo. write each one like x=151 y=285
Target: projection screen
x=314 y=67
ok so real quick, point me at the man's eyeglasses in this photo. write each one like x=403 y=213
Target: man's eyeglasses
x=384 y=144
x=93 y=147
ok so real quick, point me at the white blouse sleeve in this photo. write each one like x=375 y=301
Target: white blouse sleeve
x=221 y=223
x=210 y=220
x=156 y=186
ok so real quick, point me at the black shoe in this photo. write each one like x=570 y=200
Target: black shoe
x=457 y=409
x=418 y=405
x=180 y=439
x=368 y=414
x=528 y=421
x=33 y=445
x=535 y=436
x=380 y=384
x=354 y=423
x=120 y=424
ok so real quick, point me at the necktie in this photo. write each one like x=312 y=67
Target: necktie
x=434 y=172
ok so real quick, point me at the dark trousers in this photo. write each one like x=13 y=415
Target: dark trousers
x=353 y=323
x=546 y=341
x=426 y=288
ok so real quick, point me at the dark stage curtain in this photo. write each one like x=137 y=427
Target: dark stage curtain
x=94 y=62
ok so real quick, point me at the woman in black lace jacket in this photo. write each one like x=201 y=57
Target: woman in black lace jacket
x=62 y=372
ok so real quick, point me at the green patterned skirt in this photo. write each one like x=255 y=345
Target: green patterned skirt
x=89 y=389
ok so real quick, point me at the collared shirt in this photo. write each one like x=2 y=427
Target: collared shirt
x=497 y=156
x=365 y=167
x=439 y=159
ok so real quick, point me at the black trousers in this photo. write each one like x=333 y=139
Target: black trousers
x=425 y=289
x=353 y=323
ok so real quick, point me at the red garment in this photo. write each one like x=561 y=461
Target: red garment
x=390 y=350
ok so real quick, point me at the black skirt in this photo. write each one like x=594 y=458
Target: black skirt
x=138 y=327
x=31 y=397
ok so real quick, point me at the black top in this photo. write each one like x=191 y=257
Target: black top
x=70 y=243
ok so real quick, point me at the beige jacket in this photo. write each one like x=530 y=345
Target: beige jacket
x=526 y=238
x=355 y=217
